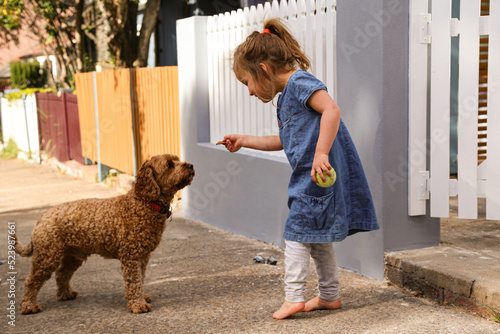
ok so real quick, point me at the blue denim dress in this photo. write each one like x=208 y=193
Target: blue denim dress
x=318 y=214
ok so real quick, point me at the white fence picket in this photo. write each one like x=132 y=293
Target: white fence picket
x=309 y=33
x=219 y=113
x=417 y=109
x=247 y=101
x=319 y=54
x=330 y=33
x=232 y=110
x=284 y=11
x=440 y=106
x=468 y=91
x=493 y=158
x=254 y=103
x=211 y=47
x=238 y=89
x=227 y=74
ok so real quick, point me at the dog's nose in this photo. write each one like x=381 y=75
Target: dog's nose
x=190 y=166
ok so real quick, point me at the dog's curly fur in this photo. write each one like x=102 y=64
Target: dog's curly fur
x=123 y=227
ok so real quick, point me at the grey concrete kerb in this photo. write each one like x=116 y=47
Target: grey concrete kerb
x=450 y=275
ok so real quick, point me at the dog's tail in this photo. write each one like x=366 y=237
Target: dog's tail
x=23 y=250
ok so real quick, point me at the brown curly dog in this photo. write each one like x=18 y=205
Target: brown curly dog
x=127 y=228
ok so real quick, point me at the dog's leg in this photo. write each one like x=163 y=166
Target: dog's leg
x=144 y=265
x=132 y=275
x=69 y=265
x=42 y=267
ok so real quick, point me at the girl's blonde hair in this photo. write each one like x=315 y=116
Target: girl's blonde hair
x=278 y=49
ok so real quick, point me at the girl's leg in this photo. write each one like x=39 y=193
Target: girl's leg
x=328 y=278
x=297 y=257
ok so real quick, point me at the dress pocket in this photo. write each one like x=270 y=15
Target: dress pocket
x=318 y=210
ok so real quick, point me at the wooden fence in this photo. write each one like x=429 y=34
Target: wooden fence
x=232 y=110
x=476 y=104
x=129 y=115
x=58 y=124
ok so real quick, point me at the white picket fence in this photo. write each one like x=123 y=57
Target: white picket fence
x=473 y=181
x=232 y=110
x=20 y=123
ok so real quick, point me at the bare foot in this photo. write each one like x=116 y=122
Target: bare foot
x=321 y=304
x=287 y=309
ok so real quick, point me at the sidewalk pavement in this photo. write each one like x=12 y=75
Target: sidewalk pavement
x=201 y=280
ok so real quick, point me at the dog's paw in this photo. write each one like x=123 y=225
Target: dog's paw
x=67 y=294
x=147 y=298
x=136 y=307
x=29 y=308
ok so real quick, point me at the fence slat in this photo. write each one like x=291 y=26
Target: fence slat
x=331 y=48
x=468 y=108
x=440 y=106
x=211 y=47
x=239 y=88
x=247 y=116
x=319 y=55
x=284 y=10
x=253 y=101
x=417 y=112
x=493 y=159
x=309 y=33
x=220 y=112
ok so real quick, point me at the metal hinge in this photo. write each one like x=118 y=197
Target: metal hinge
x=425 y=34
x=424 y=185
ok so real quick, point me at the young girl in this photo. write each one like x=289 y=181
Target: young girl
x=314 y=139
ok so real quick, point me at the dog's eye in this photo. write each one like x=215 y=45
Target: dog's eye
x=171 y=164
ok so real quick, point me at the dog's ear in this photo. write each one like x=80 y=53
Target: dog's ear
x=146 y=186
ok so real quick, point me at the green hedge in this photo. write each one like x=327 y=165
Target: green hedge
x=27 y=75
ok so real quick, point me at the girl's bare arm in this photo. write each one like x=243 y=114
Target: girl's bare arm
x=329 y=126
x=234 y=142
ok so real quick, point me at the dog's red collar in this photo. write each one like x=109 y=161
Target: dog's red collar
x=159 y=208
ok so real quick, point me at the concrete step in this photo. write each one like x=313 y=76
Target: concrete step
x=448 y=274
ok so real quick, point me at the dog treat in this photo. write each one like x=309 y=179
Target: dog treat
x=222 y=142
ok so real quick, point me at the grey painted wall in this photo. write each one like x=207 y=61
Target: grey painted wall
x=246 y=192
x=372 y=64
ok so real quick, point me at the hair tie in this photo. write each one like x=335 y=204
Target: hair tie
x=266 y=31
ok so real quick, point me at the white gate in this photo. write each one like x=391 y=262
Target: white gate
x=431 y=27
x=232 y=110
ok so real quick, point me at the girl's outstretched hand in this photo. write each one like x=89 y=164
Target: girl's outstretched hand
x=320 y=165
x=232 y=142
